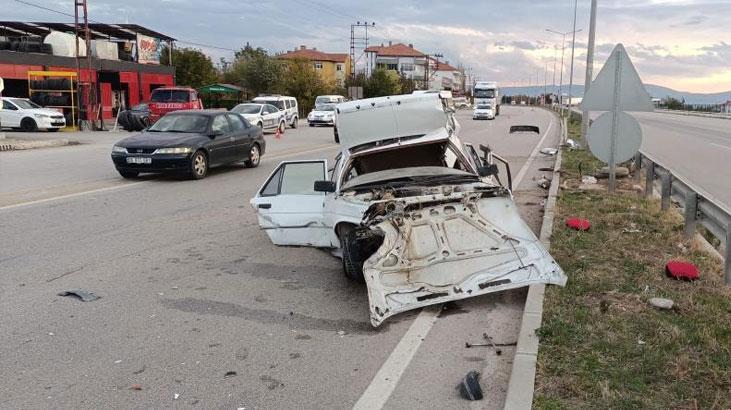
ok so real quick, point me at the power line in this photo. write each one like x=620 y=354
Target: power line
x=38 y=6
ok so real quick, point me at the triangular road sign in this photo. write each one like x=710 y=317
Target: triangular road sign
x=617 y=71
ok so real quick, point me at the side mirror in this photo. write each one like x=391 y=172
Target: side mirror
x=487 y=170
x=324 y=186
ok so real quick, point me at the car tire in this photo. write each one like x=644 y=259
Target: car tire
x=198 y=165
x=337 y=137
x=53 y=129
x=294 y=122
x=254 y=157
x=311 y=125
x=282 y=127
x=28 y=125
x=352 y=269
x=129 y=174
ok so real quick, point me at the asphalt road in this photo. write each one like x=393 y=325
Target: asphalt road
x=697 y=149
x=191 y=290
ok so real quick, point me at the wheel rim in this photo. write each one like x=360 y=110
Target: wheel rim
x=255 y=155
x=199 y=164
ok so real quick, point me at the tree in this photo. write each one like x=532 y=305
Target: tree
x=673 y=103
x=408 y=85
x=382 y=82
x=255 y=70
x=192 y=67
x=304 y=83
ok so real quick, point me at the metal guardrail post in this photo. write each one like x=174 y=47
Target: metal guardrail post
x=691 y=214
x=666 y=181
x=649 y=178
x=638 y=166
x=727 y=254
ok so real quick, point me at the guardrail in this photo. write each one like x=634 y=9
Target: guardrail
x=697 y=205
x=720 y=115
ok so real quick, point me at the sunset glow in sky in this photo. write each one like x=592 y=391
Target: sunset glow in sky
x=682 y=44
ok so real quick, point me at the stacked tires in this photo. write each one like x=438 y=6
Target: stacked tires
x=132 y=121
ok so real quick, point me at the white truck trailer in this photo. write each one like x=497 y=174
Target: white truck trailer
x=487 y=92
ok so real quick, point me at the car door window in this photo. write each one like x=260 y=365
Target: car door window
x=237 y=123
x=8 y=106
x=271 y=188
x=299 y=178
x=272 y=109
x=220 y=125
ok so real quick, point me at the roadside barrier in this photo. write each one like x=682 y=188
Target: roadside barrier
x=698 y=206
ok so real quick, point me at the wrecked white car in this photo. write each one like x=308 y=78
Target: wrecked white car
x=417 y=214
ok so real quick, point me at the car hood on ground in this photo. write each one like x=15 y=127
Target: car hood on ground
x=162 y=139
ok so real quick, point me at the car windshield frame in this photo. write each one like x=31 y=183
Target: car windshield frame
x=326 y=107
x=170 y=96
x=247 y=105
x=171 y=123
x=24 y=104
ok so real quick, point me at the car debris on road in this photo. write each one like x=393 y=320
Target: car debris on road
x=81 y=294
x=416 y=213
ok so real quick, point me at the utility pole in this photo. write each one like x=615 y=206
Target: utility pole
x=589 y=67
x=358 y=42
x=426 y=67
x=573 y=47
x=90 y=91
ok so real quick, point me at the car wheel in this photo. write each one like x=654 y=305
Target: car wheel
x=53 y=129
x=282 y=127
x=129 y=174
x=294 y=122
x=312 y=125
x=28 y=125
x=352 y=269
x=198 y=165
x=254 y=157
x=337 y=137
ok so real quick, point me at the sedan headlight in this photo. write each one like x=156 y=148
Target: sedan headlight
x=310 y=116
x=118 y=149
x=175 y=150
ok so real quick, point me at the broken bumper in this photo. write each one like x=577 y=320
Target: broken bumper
x=451 y=251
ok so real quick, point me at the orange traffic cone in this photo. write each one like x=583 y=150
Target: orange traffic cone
x=278 y=134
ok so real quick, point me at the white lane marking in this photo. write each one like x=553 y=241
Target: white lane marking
x=719 y=145
x=384 y=383
x=533 y=155
x=127 y=185
x=388 y=376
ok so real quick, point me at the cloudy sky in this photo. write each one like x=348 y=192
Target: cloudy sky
x=682 y=44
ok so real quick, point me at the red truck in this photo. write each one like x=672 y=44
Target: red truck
x=168 y=99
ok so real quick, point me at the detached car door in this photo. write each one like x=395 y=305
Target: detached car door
x=289 y=209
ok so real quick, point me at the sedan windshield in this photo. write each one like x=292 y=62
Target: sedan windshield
x=326 y=107
x=247 y=109
x=190 y=123
x=26 y=105
x=483 y=107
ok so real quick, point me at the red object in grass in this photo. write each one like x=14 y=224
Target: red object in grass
x=681 y=270
x=578 y=223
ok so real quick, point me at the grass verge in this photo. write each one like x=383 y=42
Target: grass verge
x=602 y=344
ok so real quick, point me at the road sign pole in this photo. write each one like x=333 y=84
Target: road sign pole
x=589 y=67
x=615 y=122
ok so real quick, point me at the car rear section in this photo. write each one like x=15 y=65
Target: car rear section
x=444 y=247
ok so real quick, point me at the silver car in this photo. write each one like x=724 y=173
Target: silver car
x=265 y=116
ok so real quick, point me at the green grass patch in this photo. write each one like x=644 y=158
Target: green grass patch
x=602 y=344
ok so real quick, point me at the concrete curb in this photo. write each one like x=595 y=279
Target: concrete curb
x=523 y=375
x=13 y=145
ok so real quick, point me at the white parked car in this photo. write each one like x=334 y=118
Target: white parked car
x=322 y=115
x=410 y=209
x=24 y=114
x=288 y=105
x=483 y=112
x=264 y=116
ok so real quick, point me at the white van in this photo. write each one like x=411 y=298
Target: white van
x=284 y=103
x=328 y=99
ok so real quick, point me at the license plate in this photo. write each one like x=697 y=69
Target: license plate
x=139 y=160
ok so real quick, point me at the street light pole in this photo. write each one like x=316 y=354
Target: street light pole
x=573 y=47
x=563 y=50
x=589 y=67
